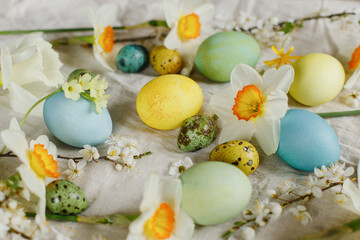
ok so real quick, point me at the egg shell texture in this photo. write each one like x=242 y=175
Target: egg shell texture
x=65 y=198
x=132 y=58
x=241 y=154
x=214 y=192
x=220 y=53
x=76 y=123
x=307 y=141
x=165 y=61
x=166 y=101
x=319 y=78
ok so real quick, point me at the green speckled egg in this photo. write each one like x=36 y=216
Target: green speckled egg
x=79 y=72
x=214 y=192
x=239 y=153
x=220 y=53
x=165 y=61
x=65 y=198
x=196 y=133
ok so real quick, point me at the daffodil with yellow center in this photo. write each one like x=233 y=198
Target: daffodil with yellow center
x=354 y=64
x=38 y=161
x=161 y=216
x=253 y=105
x=284 y=58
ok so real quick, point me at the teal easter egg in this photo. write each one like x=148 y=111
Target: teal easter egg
x=214 y=192
x=76 y=123
x=65 y=198
x=132 y=58
x=220 y=53
x=307 y=141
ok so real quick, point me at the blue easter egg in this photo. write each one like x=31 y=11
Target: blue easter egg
x=76 y=123
x=307 y=141
x=132 y=58
x=220 y=53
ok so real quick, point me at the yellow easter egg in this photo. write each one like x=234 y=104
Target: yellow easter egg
x=241 y=154
x=318 y=79
x=166 y=101
x=165 y=61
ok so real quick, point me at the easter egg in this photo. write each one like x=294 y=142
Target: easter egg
x=214 y=192
x=132 y=58
x=241 y=154
x=76 y=74
x=76 y=123
x=220 y=53
x=65 y=198
x=318 y=79
x=307 y=141
x=195 y=133
x=166 y=101
x=165 y=61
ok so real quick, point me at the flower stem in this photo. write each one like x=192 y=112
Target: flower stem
x=116 y=219
x=339 y=114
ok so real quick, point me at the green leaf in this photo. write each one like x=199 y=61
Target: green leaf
x=289 y=26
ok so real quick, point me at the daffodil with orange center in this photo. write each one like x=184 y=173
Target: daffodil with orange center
x=190 y=23
x=38 y=161
x=354 y=64
x=284 y=58
x=102 y=19
x=161 y=216
x=253 y=105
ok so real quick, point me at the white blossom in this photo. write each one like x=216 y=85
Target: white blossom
x=113 y=153
x=179 y=166
x=300 y=214
x=314 y=186
x=352 y=99
x=247 y=233
x=113 y=139
x=264 y=212
x=339 y=172
x=287 y=186
x=75 y=169
x=90 y=153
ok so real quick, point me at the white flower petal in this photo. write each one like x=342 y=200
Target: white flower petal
x=31 y=181
x=105 y=15
x=205 y=12
x=171 y=12
x=280 y=79
x=14 y=125
x=172 y=40
x=355 y=77
x=151 y=192
x=268 y=134
x=317 y=192
x=137 y=226
x=243 y=75
x=72 y=164
x=237 y=130
x=81 y=165
x=187 y=6
x=353 y=192
x=16 y=142
x=184 y=227
x=6 y=66
x=276 y=105
x=222 y=102
x=170 y=192
x=106 y=59
x=187 y=162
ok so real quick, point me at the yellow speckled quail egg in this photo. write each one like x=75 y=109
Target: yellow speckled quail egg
x=239 y=153
x=165 y=61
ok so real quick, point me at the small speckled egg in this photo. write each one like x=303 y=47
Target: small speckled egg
x=79 y=72
x=76 y=123
x=196 y=133
x=214 y=192
x=165 y=61
x=166 y=101
x=318 y=79
x=65 y=198
x=220 y=53
x=307 y=141
x=239 y=153
x=132 y=58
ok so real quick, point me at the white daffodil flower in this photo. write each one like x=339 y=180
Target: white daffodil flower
x=75 y=169
x=90 y=153
x=189 y=21
x=30 y=68
x=38 y=161
x=102 y=19
x=180 y=166
x=72 y=89
x=260 y=103
x=161 y=216
x=353 y=191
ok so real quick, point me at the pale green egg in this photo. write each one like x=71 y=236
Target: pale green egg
x=214 y=192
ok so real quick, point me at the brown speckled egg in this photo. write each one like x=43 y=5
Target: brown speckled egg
x=239 y=153
x=165 y=61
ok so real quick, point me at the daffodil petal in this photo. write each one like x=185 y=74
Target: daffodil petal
x=205 y=12
x=172 y=40
x=171 y=192
x=276 y=105
x=236 y=130
x=6 y=66
x=16 y=142
x=14 y=125
x=184 y=227
x=268 y=134
x=151 y=193
x=243 y=75
x=31 y=181
x=106 y=59
x=104 y=15
x=351 y=190
x=171 y=11
x=278 y=79
x=187 y=6
x=222 y=102
x=355 y=77
x=137 y=226
x=21 y=100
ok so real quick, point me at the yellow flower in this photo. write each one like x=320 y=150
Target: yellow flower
x=72 y=89
x=284 y=58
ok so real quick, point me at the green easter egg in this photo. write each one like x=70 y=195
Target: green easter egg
x=220 y=53
x=165 y=61
x=65 y=198
x=76 y=74
x=241 y=154
x=214 y=192
x=196 y=133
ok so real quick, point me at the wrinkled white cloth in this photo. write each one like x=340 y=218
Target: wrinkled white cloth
x=110 y=191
